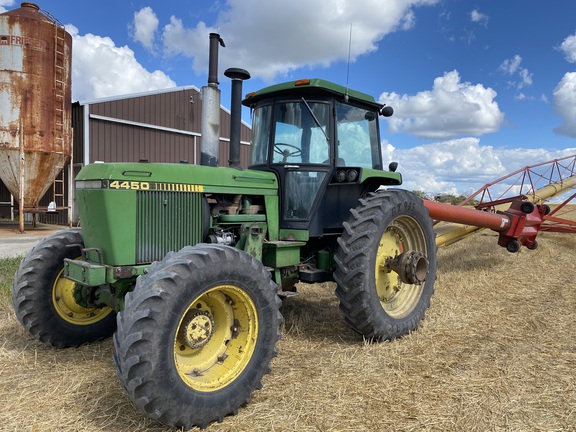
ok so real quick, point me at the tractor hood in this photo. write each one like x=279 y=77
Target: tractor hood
x=174 y=178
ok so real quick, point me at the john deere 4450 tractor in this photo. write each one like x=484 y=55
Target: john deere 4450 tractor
x=185 y=265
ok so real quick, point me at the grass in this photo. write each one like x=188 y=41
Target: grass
x=8 y=267
x=496 y=352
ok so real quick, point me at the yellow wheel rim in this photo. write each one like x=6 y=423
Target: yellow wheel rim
x=397 y=298
x=67 y=307
x=216 y=338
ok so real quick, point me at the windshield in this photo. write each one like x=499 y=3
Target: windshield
x=357 y=134
x=299 y=136
x=300 y=133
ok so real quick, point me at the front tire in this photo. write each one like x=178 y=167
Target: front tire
x=197 y=335
x=44 y=301
x=373 y=299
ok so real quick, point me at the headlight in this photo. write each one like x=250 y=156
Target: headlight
x=351 y=175
x=88 y=184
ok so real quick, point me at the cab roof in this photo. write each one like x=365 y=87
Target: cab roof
x=315 y=86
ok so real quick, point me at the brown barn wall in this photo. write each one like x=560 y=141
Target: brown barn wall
x=117 y=142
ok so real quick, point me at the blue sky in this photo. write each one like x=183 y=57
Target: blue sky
x=480 y=88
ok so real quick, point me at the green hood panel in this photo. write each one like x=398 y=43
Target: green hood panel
x=136 y=176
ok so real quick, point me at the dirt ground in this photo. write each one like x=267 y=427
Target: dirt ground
x=496 y=352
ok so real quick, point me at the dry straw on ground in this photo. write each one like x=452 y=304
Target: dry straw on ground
x=496 y=352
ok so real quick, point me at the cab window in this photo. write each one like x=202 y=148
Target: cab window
x=357 y=137
x=301 y=133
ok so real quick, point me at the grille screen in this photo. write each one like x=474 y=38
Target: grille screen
x=166 y=221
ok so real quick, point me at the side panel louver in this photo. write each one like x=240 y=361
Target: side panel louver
x=166 y=221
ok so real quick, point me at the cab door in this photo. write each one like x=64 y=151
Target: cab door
x=301 y=156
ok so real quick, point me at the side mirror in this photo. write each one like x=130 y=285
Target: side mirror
x=387 y=111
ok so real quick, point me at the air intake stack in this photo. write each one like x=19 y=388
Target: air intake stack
x=237 y=76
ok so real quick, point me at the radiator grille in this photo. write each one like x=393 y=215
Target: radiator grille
x=166 y=221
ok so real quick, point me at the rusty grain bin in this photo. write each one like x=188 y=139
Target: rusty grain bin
x=35 y=102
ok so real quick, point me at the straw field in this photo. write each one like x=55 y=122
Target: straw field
x=496 y=352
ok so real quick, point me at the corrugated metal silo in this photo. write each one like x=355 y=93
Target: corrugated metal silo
x=35 y=102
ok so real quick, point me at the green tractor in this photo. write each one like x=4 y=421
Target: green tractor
x=186 y=265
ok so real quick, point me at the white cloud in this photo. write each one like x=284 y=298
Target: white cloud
x=510 y=66
x=100 y=69
x=5 y=3
x=145 y=26
x=524 y=77
x=256 y=34
x=452 y=108
x=179 y=40
x=568 y=47
x=463 y=165
x=452 y=166
x=478 y=17
x=408 y=21
x=516 y=158
x=564 y=103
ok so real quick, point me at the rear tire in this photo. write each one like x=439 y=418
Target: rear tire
x=197 y=335
x=44 y=301
x=374 y=301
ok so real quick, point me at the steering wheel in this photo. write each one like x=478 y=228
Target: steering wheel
x=286 y=153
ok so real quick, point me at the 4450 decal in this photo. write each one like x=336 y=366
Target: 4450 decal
x=152 y=186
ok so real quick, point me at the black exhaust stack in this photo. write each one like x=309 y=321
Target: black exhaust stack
x=237 y=76
x=210 y=121
x=215 y=40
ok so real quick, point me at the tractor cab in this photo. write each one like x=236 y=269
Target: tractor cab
x=322 y=142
